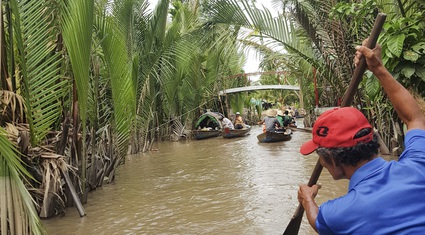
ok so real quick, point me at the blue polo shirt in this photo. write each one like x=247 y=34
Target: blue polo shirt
x=383 y=197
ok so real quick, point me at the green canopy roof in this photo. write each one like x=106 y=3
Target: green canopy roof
x=209 y=119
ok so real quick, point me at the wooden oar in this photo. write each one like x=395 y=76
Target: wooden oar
x=294 y=225
x=300 y=129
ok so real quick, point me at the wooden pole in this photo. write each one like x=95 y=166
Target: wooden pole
x=74 y=193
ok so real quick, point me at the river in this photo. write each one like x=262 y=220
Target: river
x=211 y=186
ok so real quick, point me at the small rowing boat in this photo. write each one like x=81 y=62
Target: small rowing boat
x=205 y=133
x=208 y=125
x=231 y=133
x=277 y=136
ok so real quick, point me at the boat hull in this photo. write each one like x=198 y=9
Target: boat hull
x=205 y=134
x=232 y=133
x=207 y=126
x=269 y=137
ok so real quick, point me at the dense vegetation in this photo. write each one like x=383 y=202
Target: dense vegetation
x=85 y=82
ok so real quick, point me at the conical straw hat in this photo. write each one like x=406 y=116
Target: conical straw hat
x=271 y=113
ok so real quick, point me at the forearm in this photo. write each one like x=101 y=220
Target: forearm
x=404 y=103
x=306 y=197
x=311 y=210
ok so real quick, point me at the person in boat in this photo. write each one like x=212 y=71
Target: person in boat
x=279 y=117
x=226 y=122
x=290 y=111
x=284 y=118
x=293 y=122
x=239 y=123
x=270 y=121
x=383 y=197
x=296 y=113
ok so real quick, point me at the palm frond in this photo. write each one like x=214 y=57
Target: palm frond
x=77 y=30
x=18 y=214
x=40 y=64
x=274 y=32
x=116 y=55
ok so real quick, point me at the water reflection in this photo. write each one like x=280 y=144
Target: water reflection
x=214 y=186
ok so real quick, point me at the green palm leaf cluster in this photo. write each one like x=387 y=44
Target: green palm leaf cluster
x=39 y=65
x=118 y=61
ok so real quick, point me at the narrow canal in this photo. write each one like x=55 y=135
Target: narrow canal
x=211 y=186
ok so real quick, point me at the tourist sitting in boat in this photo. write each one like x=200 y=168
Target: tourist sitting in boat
x=287 y=119
x=279 y=117
x=270 y=121
x=284 y=118
x=239 y=123
x=293 y=122
x=226 y=122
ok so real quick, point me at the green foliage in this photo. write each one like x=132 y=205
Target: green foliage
x=39 y=63
x=77 y=30
x=18 y=214
x=403 y=46
x=360 y=10
x=371 y=86
x=356 y=15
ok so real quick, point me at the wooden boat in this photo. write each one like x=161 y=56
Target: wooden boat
x=292 y=126
x=208 y=125
x=205 y=133
x=268 y=137
x=231 y=133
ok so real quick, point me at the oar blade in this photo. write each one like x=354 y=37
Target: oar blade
x=293 y=226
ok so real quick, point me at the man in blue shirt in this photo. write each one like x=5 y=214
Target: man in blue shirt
x=383 y=197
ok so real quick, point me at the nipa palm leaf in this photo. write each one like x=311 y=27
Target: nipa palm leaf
x=77 y=34
x=39 y=63
x=17 y=213
x=120 y=70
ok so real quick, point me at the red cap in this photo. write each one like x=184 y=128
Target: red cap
x=336 y=128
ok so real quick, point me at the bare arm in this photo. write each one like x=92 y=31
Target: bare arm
x=404 y=103
x=306 y=197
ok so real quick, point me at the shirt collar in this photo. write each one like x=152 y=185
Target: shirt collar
x=365 y=171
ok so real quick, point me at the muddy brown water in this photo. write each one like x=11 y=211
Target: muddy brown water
x=211 y=186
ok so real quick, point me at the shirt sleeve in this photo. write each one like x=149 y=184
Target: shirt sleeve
x=321 y=225
x=414 y=145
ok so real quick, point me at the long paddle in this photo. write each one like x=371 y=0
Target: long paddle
x=294 y=225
